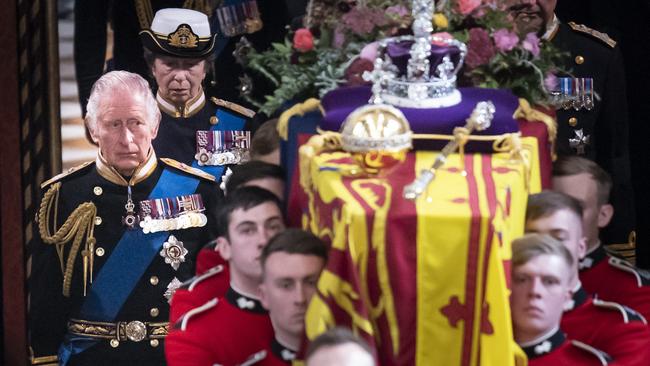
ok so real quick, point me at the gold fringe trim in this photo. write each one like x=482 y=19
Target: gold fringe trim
x=300 y=109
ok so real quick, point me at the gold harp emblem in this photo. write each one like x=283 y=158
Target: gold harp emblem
x=183 y=37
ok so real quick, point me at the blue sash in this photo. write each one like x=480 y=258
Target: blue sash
x=135 y=251
x=227 y=122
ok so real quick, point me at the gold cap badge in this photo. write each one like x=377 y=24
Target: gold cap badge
x=183 y=37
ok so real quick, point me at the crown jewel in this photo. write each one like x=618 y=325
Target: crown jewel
x=423 y=77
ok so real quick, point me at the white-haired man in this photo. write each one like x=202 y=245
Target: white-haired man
x=117 y=236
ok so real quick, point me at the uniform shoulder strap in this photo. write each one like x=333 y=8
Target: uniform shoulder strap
x=642 y=276
x=181 y=323
x=603 y=37
x=70 y=171
x=188 y=169
x=255 y=358
x=233 y=107
x=194 y=281
x=603 y=357
x=627 y=313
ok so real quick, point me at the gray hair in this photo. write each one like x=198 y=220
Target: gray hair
x=126 y=82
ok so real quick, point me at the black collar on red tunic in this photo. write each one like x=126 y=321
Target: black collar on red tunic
x=244 y=302
x=579 y=298
x=593 y=258
x=285 y=354
x=545 y=345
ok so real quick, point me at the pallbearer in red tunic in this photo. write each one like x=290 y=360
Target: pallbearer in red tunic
x=227 y=330
x=541 y=274
x=601 y=274
x=609 y=326
x=291 y=263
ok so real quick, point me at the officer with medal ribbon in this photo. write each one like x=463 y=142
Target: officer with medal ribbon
x=591 y=102
x=205 y=133
x=101 y=279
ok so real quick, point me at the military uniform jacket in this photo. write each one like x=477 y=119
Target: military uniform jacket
x=176 y=137
x=51 y=311
x=605 y=127
x=557 y=350
x=207 y=284
x=608 y=326
x=617 y=280
x=224 y=331
x=275 y=354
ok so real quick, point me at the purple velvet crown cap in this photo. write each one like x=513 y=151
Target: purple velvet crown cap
x=339 y=103
x=400 y=53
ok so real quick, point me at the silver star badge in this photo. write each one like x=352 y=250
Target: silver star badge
x=579 y=142
x=174 y=252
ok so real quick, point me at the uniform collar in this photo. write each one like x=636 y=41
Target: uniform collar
x=545 y=344
x=580 y=296
x=142 y=172
x=189 y=109
x=282 y=352
x=595 y=256
x=551 y=29
x=244 y=302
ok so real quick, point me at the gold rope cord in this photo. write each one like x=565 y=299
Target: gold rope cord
x=79 y=224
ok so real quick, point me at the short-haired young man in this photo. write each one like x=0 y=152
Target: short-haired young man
x=541 y=274
x=339 y=347
x=291 y=265
x=606 y=276
x=265 y=144
x=226 y=330
x=609 y=326
x=257 y=173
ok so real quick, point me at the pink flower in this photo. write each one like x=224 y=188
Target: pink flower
x=531 y=44
x=369 y=52
x=505 y=40
x=398 y=11
x=363 y=20
x=480 y=48
x=339 y=38
x=303 y=40
x=467 y=6
x=550 y=82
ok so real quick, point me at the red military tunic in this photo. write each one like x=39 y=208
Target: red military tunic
x=557 y=350
x=224 y=331
x=209 y=258
x=198 y=290
x=608 y=326
x=617 y=280
x=275 y=354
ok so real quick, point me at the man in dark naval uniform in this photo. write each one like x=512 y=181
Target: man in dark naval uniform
x=117 y=237
x=592 y=112
x=207 y=134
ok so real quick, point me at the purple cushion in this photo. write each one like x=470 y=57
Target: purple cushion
x=339 y=103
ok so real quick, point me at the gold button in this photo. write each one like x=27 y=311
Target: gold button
x=115 y=343
x=573 y=121
x=580 y=60
x=98 y=220
x=154 y=312
x=154 y=343
x=214 y=120
x=98 y=191
x=99 y=251
x=153 y=280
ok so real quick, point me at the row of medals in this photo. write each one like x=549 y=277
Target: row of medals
x=235 y=156
x=576 y=93
x=184 y=221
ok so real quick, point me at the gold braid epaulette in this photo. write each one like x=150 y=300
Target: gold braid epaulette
x=78 y=225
